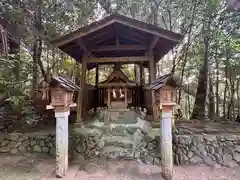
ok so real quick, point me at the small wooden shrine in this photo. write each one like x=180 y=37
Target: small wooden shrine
x=117 y=39
x=119 y=94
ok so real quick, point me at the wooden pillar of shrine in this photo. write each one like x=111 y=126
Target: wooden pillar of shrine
x=96 y=86
x=80 y=104
x=152 y=73
x=141 y=75
x=107 y=115
x=126 y=98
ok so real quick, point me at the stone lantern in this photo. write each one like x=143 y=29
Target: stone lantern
x=165 y=91
x=61 y=90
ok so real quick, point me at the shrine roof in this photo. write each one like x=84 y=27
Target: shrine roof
x=134 y=38
x=167 y=79
x=119 y=77
x=64 y=83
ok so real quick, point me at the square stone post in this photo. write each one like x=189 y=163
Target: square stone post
x=166 y=142
x=61 y=142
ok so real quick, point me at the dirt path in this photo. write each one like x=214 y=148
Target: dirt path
x=36 y=167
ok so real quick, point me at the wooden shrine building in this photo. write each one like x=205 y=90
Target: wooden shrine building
x=117 y=40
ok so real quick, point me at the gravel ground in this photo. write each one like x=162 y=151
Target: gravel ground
x=38 y=167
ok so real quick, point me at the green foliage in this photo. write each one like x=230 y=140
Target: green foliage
x=16 y=89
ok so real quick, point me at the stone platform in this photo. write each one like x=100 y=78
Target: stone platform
x=133 y=140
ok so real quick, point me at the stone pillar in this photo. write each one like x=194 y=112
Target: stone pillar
x=166 y=143
x=61 y=143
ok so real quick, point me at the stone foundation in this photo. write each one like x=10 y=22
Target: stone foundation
x=129 y=141
x=210 y=149
x=118 y=141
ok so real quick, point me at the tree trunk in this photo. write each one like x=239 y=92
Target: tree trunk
x=225 y=98
x=200 y=101
x=217 y=83
x=238 y=96
x=211 y=105
x=35 y=67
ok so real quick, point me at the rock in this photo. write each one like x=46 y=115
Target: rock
x=50 y=144
x=33 y=142
x=190 y=154
x=198 y=139
x=184 y=139
x=218 y=158
x=49 y=138
x=201 y=147
x=179 y=151
x=157 y=161
x=203 y=153
x=37 y=148
x=208 y=160
x=221 y=138
x=52 y=151
x=151 y=146
x=17 y=144
x=217 y=166
x=79 y=148
x=148 y=159
x=218 y=150
x=13 y=136
x=30 y=149
x=1 y=138
x=4 y=149
x=42 y=143
x=230 y=143
x=236 y=157
x=14 y=151
x=210 y=149
x=231 y=164
x=12 y=144
x=23 y=138
x=227 y=150
x=22 y=148
x=228 y=161
x=209 y=137
x=196 y=160
x=137 y=154
x=5 y=142
x=184 y=158
x=237 y=148
x=45 y=149
x=231 y=137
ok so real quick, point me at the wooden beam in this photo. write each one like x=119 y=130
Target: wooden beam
x=128 y=59
x=137 y=40
x=79 y=33
x=145 y=29
x=80 y=43
x=154 y=42
x=117 y=48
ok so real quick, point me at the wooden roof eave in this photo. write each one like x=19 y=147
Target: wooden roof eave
x=114 y=84
x=135 y=24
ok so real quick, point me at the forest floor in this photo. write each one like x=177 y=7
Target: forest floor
x=40 y=167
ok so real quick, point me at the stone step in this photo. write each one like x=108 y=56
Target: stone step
x=123 y=129
x=118 y=141
x=116 y=152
